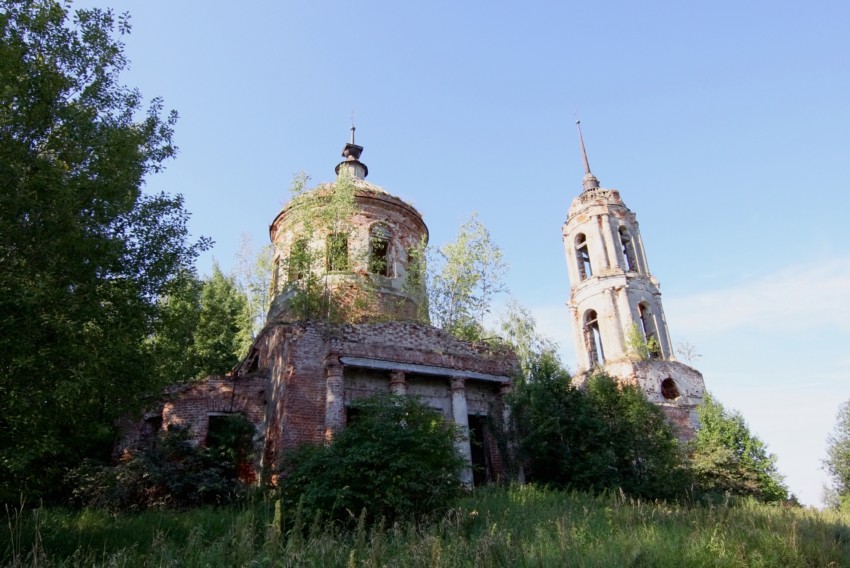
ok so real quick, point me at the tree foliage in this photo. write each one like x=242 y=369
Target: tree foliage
x=224 y=326
x=837 y=461
x=727 y=458
x=599 y=437
x=638 y=348
x=204 y=328
x=84 y=253
x=396 y=458
x=519 y=330
x=467 y=274
x=253 y=279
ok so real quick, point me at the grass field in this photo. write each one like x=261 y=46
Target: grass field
x=517 y=526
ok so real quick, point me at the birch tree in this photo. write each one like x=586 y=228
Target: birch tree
x=469 y=272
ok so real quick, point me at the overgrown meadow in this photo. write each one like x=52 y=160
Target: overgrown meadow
x=516 y=526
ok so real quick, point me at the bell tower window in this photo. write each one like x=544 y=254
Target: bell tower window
x=583 y=257
x=379 y=250
x=628 y=246
x=647 y=326
x=593 y=339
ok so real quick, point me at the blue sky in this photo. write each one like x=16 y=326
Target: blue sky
x=725 y=125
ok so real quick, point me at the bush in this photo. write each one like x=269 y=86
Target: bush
x=175 y=472
x=603 y=436
x=396 y=458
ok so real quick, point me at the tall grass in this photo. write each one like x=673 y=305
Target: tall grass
x=517 y=526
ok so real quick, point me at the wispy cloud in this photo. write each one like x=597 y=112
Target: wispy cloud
x=798 y=297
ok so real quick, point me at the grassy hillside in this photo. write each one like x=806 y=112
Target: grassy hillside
x=520 y=526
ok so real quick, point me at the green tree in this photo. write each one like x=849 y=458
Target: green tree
x=467 y=274
x=204 y=328
x=172 y=345
x=396 y=458
x=84 y=253
x=727 y=458
x=602 y=436
x=253 y=278
x=638 y=348
x=224 y=325
x=533 y=350
x=644 y=458
x=837 y=461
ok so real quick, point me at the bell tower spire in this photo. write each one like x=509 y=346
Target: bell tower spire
x=589 y=182
x=615 y=302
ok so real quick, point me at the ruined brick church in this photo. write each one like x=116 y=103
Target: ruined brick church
x=298 y=381
x=301 y=375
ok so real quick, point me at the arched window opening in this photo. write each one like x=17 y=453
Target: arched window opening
x=337 y=252
x=669 y=390
x=628 y=246
x=275 y=277
x=415 y=268
x=650 y=335
x=583 y=257
x=593 y=339
x=379 y=250
x=299 y=261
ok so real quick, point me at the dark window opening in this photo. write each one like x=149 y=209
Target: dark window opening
x=415 y=268
x=379 y=252
x=299 y=262
x=481 y=467
x=253 y=362
x=152 y=428
x=583 y=257
x=230 y=437
x=669 y=390
x=337 y=252
x=593 y=339
x=275 y=275
x=351 y=414
x=650 y=335
x=628 y=246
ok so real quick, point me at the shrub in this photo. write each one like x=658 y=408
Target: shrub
x=396 y=458
x=175 y=472
x=603 y=436
x=726 y=458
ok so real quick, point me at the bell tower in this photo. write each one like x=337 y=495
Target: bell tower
x=615 y=303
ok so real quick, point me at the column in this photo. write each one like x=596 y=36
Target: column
x=662 y=331
x=615 y=248
x=334 y=396
x=504 y=391
x=602 y=244
x=640 y=252
x=398 y=384
x=461 y=418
